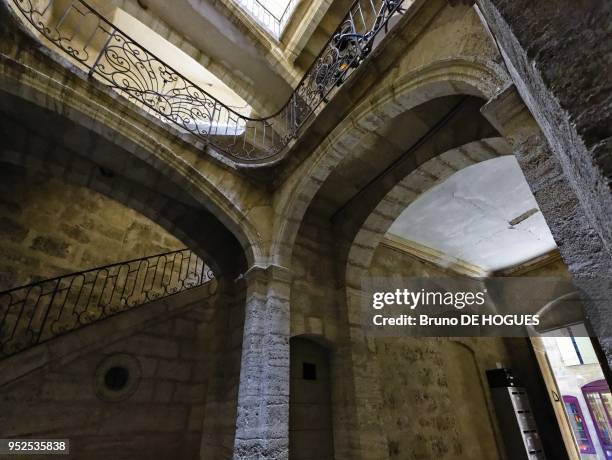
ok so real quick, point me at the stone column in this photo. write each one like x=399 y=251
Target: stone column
x=580 y=245
x=262 y=428
x=557 y=54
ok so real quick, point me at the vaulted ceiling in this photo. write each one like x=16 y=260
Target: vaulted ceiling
x=484 y=214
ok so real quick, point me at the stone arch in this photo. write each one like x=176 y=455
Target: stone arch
x=401 y=195
x=176 y=210
x=334 y=217
x=460 y=76
x=141 y=199
x=322 y=231
x=138 y=136
x=180 y=214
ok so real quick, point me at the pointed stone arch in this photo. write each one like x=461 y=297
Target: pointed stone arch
x=39 y=81
x=461 y=76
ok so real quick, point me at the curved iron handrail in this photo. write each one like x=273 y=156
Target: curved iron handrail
x=41 y=311
x=110 y=55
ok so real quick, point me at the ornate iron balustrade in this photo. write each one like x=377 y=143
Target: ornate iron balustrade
x=40 y=311
x=110 y=55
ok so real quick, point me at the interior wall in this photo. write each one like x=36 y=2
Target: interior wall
x=310 y=409
x=469 y=399
x=49 y=228
x=435 y=400
x=436 y=397
x=160 y=418
x=313 y=284
x=225 y=361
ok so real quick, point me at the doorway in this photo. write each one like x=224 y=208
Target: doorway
x=580 y=395
x=310 y=413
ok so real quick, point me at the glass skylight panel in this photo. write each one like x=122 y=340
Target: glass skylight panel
x=272 y=15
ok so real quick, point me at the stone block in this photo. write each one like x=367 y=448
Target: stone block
x=51 y=246
x=196 y=417
x=12 y=229
x=164 y=390
x=189 y=393
x=153 y=346
x=144 y=392
x=75 y=232
x=148 y=366
x=179 y=370
x=314 y=325
x=183 y=328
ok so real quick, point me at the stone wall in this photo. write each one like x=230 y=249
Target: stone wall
x=222 y=395
x=313 y=308
x=310 y=409
x=159 y=414
x=435 y=405
x=436 y=402
x=49 y=228
x=557 y=54
x=430 y=388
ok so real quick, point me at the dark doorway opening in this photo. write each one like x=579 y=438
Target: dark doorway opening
x=310 y=415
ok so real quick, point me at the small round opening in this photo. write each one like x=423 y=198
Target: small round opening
x=116 y=378
x=106 y=172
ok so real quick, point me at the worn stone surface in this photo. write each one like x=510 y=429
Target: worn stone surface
x=430 y=410
x=262 y=428
x=558 y=56
x=303 y=239
x=580 y=244
x=162 y=416
x=62 y=228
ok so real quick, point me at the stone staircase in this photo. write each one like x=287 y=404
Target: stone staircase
x=38 y=312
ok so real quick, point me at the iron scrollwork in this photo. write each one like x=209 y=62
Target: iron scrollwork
x=110 y=55
x=351 y=44
x=38 y=312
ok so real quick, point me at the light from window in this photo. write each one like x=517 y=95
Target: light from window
x=576 y=348
x=273 y=15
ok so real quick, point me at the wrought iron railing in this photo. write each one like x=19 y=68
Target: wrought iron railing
x=40 y=311
x=110 y=55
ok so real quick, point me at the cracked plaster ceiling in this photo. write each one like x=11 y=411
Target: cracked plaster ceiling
x=484 y=214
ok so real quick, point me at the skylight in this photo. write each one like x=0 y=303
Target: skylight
x=272 y=15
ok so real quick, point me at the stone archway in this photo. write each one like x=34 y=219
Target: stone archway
x=349 y=195
x=434 y=80
x=75 y=154
x=95 y=110
x=90 y=160
x=398 y=198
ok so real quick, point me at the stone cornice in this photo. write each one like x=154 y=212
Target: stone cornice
x=432 y=256
x=508 y=114
x=263 y=273
x=462 y=267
